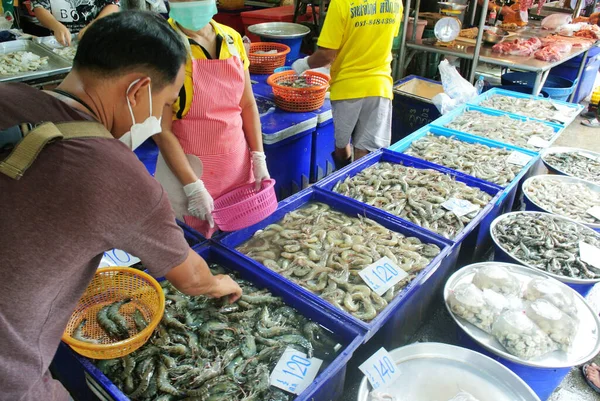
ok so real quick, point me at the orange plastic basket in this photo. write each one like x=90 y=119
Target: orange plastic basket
x=299 y=99
x=261 y=63
x=111 y=284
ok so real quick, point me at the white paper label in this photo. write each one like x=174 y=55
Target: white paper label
x=594 y=212
x=380 y=369
x=295 y=371
x=538 y=142
x=589 y=254
x=460 y=207
x=382 y=275
x=117 y=257
x=518 y=158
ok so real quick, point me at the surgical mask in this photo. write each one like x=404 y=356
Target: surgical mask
x=139 y=132
x=193 y=15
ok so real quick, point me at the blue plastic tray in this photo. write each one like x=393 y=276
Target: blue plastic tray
x=507 y=197
x=192 y=236
x=475 y=239
x=421 y=290
x=448 y=118
x=496 y=91
x=327 y=385
x=147 y=153
x=322 y=163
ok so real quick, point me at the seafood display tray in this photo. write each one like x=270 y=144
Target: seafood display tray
x=50 y=43
x=408 y=310
x=474 y=240
x=582 y=286
x=464 y=370
x=496 y=91
x=565 y=149
x=531 y=205
x=448 y=118
x=192 y=236
x=585 y=346
x=56 y=64
x=507 y=197
x=327 y=385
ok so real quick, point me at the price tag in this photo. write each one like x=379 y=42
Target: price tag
x=382 y=275
x=295 y=371
x=564 y=112
x=538 y=142
x=117 y=257
x=460 y=207
x=589 y=254
x=594 y=212
x=518 y=158
x=380 y=369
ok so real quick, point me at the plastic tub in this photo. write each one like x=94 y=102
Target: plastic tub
x=147 y=153
x=232 y=18
x=192 y=236
x=474 y=240
x=521 y=89
x=409 y=308
x=570 y=69
x=420 y=27
x=274 y=14
x=328 y=384
x=556 y=87
x=322 y=163
x=508 y=196
x=282 y=69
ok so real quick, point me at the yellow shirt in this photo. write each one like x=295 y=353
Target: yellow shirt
x=362 y=31
x=184 y=102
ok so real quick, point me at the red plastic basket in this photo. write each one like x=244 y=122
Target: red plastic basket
x=243 y=206
x=266 y=63
x=299 y=99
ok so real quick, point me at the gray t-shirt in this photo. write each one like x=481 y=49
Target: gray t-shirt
x=79 y=199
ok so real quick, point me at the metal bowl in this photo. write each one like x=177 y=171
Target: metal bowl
x=279 y=30
x=562 y=279
x=585 y=345
x=494 y=35
x=451 y=6
x=462 y=369
x=565 y=179
x=565 y=149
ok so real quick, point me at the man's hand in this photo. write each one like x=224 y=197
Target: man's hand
x=224 y=285
x=62 y=34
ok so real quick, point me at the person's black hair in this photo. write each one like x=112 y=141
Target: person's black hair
x=129 y=41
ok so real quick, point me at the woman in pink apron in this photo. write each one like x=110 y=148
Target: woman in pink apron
x=211 y=141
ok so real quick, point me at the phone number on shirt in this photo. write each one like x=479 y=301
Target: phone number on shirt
x=377 y=21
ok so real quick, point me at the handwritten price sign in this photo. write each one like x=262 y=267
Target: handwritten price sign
x=382 y=275
x=117 y=257
x=295 y=371
x=380 y=369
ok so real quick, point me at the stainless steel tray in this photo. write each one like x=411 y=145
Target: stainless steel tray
x=585 y=346
x=434 y=371
x=56 y=64
x=565 y=149
x=50 y=43
x=566 y=179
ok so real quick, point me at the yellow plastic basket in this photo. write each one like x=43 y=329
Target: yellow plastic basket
x=112 y=284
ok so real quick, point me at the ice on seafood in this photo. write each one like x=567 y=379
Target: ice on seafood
x=520 y=336
x=540 y=109
x=66 y=52
x=470 y=303
x=414 y=194
x=323 y=250
x=576 y=165
x=475 y=159
x=21 y=61
x=501 y=128
x=548 y=289
x=561 y=328
x=498 y=279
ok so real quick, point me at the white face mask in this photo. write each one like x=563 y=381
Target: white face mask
x=139 y=132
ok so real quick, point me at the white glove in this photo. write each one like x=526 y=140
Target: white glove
x=259 y=168
x=200 y=203
x=301 y=65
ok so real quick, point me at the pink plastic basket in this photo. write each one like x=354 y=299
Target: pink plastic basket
x=243 y=206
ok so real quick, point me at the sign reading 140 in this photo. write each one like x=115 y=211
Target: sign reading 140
x=118 y=257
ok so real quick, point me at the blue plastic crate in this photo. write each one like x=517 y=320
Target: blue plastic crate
x=147 y=153
x=448 y=118
x=322 y=163
x=192 y=236
x=287 y=139
x=327 y=385
x=410 y=307
x=508 y=196
x=496 y=91
x=474 y=240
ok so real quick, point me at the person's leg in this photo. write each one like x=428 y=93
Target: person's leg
x=592 y=376
x=374 y=128
x=345 y=116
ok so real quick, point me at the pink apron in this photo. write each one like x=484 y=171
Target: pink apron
x=212 y=128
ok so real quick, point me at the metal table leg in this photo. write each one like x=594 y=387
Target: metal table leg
x=579 y=74
x=540 y=80
x=402 y=55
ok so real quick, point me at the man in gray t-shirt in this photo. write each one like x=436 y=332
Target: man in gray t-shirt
x=84 y=196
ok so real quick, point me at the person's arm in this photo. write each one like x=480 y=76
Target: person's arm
x=60 y=32
x=250 y=117
x=322 y=57
x=107 y=10
x=193 y=277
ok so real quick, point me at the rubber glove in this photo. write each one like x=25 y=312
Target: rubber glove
x=200 y=203
x=259 y=168
x=301 y=65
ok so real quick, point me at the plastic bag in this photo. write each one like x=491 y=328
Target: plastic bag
x=520 y=336
x=457 y=90
x=555 y=21
x=469 y=302
x=498 y=279
x=463 y=396
x=557 y=325
x=548 y=289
